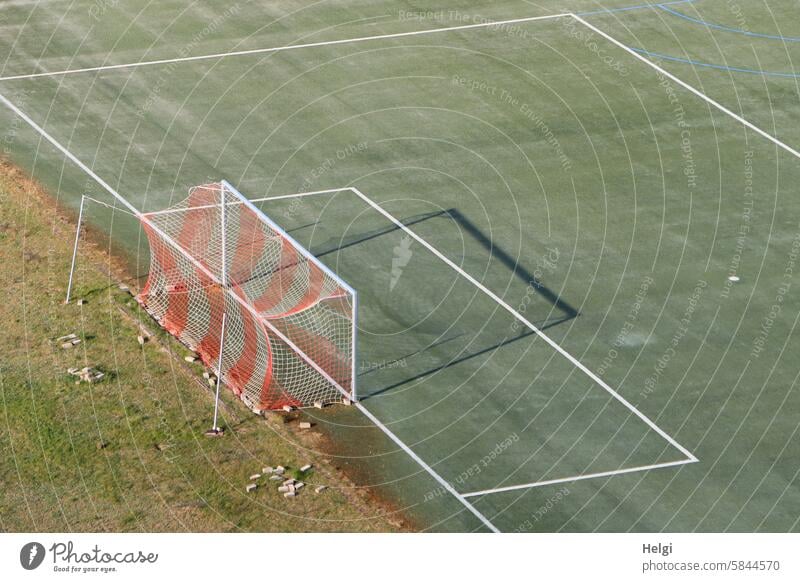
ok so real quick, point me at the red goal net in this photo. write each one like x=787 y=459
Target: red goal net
x=289 y=334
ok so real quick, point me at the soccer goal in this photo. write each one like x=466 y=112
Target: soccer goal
x=276 y=325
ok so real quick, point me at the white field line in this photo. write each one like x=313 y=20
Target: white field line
x=577 y=478
x=144 y=218
x=575 y=362
x=280 y=48
x=69 y=155
x=134 y=211
x=690 y=457
x=282 y=197
x=107 y=205
x=688 y=87
x=428 y=468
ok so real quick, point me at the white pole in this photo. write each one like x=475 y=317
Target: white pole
x=224 y=269
x=224 y=279
x=354 y=349
x=75 y=250
x=219 y=371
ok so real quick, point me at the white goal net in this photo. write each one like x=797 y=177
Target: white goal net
x=290 y=323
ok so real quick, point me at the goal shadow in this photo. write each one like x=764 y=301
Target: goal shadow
x=464 y=350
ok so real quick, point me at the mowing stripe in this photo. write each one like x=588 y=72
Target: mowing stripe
x=578 y=478
x=281 y=48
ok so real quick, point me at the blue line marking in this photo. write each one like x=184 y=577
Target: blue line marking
x=713 y=66
x=726 y=28
x=637 y=7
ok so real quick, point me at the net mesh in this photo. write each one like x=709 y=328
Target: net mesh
x=289 y=324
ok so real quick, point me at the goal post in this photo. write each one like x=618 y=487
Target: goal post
x=290 y=322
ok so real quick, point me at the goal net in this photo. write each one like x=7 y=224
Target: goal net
x=289 y=322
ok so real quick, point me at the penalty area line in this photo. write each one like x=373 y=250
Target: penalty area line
x=690 y=458
x=449 y=488
x=133 y=210
x=575 y=362
x=252 y=200
x=578 y=478
x=689 y=88
x=281 y=48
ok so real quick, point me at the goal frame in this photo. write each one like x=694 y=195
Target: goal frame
x=228 y=188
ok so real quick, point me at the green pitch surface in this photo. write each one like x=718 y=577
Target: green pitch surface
x=583 y=318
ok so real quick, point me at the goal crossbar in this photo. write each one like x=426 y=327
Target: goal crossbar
x=235 y=294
